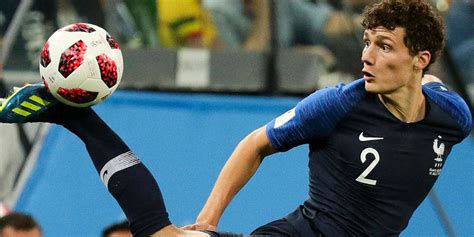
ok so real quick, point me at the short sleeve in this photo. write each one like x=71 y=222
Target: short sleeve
x=452 y=103
x=315 y=116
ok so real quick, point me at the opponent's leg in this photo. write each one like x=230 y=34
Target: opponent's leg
x=127 y=179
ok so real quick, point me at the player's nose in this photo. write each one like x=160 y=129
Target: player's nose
x=367 y=56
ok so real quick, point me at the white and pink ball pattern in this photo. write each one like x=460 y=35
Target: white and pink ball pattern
x=81 y=64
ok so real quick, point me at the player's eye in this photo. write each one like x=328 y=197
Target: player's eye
x=386 y=47
x=366 y=43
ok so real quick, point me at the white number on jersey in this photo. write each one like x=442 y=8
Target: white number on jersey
x=362 y=177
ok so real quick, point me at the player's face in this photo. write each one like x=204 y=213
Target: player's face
x=388 y=65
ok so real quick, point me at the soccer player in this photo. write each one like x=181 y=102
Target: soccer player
x=362 y=136
x=376 y=146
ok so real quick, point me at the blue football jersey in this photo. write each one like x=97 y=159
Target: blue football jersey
x=368 y=170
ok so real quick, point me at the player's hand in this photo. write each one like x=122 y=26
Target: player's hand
x=199 y=226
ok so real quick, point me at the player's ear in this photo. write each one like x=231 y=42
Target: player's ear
x=422 y=60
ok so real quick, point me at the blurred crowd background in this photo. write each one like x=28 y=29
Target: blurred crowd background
x=269 y=47
x=327 y=29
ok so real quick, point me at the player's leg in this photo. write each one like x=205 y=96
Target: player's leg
x=127 y=179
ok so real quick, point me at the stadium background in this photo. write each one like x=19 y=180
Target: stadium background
x=183 y=110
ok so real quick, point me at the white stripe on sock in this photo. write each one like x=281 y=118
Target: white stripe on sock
x=121 y=162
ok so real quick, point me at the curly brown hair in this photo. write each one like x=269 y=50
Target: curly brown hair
x=423 y=25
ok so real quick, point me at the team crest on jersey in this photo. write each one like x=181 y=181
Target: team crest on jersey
x=438 y=149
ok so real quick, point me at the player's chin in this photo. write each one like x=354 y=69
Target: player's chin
x=372 y=87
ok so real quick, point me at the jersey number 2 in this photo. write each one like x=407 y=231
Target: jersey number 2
x=362 y=177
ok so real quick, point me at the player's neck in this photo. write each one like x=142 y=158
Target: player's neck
x=407 y=103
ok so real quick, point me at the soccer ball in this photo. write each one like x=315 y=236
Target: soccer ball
x=81 y=64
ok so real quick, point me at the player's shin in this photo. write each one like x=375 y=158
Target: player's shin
x=126 y=178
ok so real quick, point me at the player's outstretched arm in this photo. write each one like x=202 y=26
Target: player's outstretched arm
x=239 y=168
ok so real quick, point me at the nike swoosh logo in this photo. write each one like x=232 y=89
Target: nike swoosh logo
x=105 y=173
x=363 y=138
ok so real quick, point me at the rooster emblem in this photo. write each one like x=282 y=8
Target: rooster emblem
x=438 y=149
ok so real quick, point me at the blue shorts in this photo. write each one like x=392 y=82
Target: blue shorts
x=295 y=224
